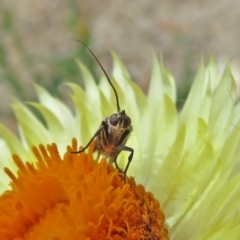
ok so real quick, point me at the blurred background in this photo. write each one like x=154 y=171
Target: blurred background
x=37 y=42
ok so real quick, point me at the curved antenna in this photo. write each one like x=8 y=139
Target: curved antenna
x=115 y=92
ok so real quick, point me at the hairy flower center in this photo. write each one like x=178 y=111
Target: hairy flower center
x=76 y=197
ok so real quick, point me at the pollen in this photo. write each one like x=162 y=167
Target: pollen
x=76 y=197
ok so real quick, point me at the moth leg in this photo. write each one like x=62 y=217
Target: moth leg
x=125 y=148
x=116 y=165
x=98 y=156
x=95 y=135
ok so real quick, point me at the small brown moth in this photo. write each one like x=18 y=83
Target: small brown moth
x=113 y=132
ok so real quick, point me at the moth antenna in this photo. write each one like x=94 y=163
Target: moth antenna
x=105 y=73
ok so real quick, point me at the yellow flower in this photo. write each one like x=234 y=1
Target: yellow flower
x=189 y=160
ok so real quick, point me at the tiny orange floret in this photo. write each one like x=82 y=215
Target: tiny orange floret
x=76 y=197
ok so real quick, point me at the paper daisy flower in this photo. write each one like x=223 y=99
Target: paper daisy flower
x=185 y=164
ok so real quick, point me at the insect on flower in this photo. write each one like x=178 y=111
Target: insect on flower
x=113 y=132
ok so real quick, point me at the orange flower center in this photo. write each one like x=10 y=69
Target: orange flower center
x=76 y=197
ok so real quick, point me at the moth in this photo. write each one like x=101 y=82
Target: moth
x=114 y=131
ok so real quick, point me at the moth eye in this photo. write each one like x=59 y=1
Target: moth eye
x=127 y=122
x=114 y=119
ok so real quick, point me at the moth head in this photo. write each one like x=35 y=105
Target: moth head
x=120 y=120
